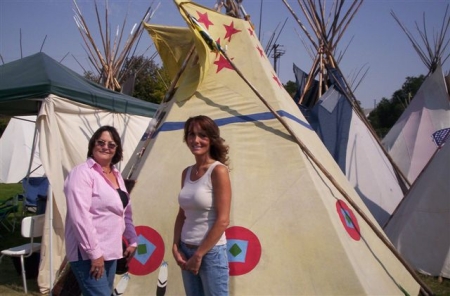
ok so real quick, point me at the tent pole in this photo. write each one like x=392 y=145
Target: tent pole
x=50 y=223
x=27 y=176
x=33 y=149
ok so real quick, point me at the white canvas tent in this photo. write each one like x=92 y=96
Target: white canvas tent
x=69 y=109
x=292 y=232
x=419 y=227
x=16 y=150
x=410 y=141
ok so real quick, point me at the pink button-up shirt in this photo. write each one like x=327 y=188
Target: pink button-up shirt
x=96 y=219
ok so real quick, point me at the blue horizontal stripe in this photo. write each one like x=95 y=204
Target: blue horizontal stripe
x=173 y=126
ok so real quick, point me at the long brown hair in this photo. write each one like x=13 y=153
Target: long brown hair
x=118 y=156
x=218 y=149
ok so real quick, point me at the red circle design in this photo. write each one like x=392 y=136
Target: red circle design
x=156 y=258
x=349 y=220
x=253 y=252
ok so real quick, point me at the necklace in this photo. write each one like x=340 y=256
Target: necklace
x=106 y=173
x=197 y=169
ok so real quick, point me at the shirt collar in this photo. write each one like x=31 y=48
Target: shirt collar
x=91 y=163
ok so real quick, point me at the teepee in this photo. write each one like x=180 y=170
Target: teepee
x=16 y=150
x=331 y=109
x=297 y=225
x=419 y=227
x=409 y=141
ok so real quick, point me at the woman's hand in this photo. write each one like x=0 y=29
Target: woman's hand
x=129 y=253
x=178 y=256
x=193 y=264
x=97 y=267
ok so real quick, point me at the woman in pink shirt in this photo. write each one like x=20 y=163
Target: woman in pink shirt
x=98 y=215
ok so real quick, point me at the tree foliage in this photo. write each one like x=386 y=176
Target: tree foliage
x=3 y=123
x=151 y=81
x=291 y=88
x=388 y=111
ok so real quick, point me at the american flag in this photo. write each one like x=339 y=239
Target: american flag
x=441 y=136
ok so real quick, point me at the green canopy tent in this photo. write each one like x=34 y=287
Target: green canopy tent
x=24 y=81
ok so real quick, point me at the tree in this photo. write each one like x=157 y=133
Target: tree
x=404 y=95
x=291 y=87
x=3 y=123
x=150 y=81
x=92 y=77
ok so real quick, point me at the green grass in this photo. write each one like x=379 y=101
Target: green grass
x=11 y=282
x=9 y=190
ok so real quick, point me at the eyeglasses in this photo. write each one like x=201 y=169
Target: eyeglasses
x=111 y=145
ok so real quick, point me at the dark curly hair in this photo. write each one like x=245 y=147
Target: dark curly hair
x=218 y=149
x=118 y=156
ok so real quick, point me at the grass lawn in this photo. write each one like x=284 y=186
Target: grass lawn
x=11 y=281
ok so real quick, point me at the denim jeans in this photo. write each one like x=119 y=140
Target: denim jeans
x=213 y=276
x=88 y=284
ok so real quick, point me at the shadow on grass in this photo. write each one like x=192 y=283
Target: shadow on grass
x=11 y=281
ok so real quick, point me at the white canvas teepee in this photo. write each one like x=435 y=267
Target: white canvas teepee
x=292 y=231
x=410 y=141
x=333 y=112
x=419 y=227
x=16 y=148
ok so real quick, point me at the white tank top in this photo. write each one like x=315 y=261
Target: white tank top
x=196 y=198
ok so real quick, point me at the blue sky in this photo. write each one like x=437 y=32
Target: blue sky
x=378 y=44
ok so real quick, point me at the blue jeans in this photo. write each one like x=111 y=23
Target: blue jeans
x=88 y=284
x=213 y=276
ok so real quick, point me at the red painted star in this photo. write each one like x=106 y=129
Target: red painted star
x=203 y=18
x=231 y=30
x=261 y=52
x=222 y=63
x=251 y=32
x=276 y=80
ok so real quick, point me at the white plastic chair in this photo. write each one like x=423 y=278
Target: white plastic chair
x=32 y=227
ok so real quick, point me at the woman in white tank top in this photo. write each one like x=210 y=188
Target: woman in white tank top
x=199 y=244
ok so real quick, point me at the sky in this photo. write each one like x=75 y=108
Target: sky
x=374 y=40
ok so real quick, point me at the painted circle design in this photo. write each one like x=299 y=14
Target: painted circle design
x=348 y=220
x=149 y=253
x=244 y=250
